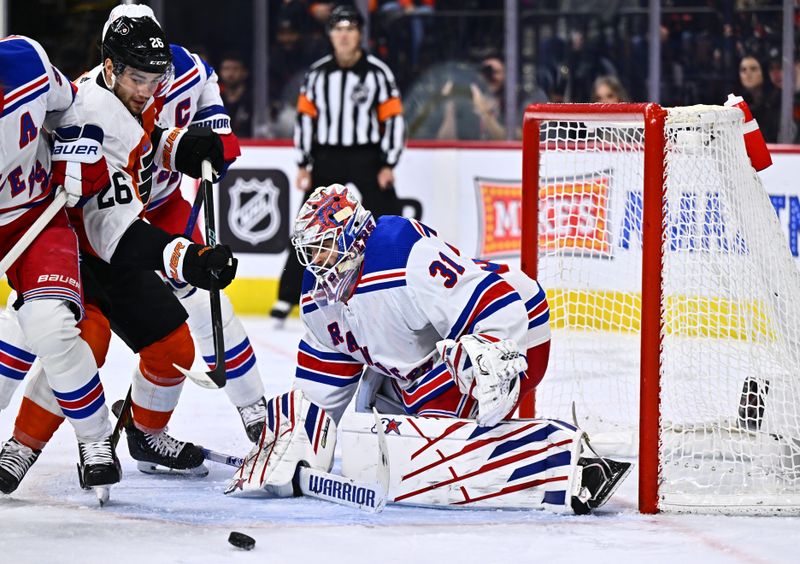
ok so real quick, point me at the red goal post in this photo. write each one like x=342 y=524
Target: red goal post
x=653 y=116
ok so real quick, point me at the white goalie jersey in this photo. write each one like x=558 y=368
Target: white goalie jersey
x=413 y=291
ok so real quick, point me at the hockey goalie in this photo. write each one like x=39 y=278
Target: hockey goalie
x=445 y=347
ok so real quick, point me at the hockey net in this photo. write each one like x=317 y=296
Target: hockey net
x=675 y=301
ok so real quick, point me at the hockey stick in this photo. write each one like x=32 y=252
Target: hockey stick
x=383 y=475
x=322 y=485
x=33 y=231
x=122 y=414
x=198 y=201
x=216 y=377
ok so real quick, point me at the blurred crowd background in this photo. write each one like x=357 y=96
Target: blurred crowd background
x=461 y=65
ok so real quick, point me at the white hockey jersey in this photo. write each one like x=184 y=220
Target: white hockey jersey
x=30 y=87
x=192 y=100
x=129 y=152
x=413 y=291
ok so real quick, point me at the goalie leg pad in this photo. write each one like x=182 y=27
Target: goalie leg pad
x=519 y=464
x=297 y=432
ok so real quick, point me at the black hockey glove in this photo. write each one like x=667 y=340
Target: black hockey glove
x=204 y=267
x=195 y=146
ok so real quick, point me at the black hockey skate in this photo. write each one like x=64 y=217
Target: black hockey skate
x=99 y=467
x=253 y=418
x=600 y=478
x=160 y=453
x=15 y=461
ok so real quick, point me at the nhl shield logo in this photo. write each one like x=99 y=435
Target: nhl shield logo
x=254 y=215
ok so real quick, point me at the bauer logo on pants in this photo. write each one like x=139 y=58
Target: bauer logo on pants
x=254 y=210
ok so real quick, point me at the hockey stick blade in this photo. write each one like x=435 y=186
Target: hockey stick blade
x=221 y=458
x=322 y=485
x=211 y=380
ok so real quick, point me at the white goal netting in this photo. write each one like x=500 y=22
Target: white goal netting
x=730 y=355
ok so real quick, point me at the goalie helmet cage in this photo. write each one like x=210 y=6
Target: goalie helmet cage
x=675 y=301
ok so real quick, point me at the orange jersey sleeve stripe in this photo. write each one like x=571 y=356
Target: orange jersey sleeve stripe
x=306 y=106
x=390 y=108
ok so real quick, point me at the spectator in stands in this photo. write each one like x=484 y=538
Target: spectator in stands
x=415 y=12
x=608 y=89
x=289 y=57
x=236 y=97
x=472 y=108
x=762 y=97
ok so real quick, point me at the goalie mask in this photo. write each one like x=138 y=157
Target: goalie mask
x=330 y=234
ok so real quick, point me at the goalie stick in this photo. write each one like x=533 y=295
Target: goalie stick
x=332 y=487
x=216 y=377
x=321 y=485
x=33 y=231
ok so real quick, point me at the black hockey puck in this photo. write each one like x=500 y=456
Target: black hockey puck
x=241 y=540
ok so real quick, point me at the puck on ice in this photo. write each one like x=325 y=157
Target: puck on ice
x=241 y=540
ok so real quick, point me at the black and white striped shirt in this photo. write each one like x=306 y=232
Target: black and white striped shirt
x=353 y=107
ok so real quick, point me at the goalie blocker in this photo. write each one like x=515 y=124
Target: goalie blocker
x=455 y=463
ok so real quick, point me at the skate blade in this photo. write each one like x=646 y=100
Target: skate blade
x=103 y=494
x=150 y=468
x=617 y=480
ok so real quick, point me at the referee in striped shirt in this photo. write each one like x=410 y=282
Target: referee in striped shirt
x=349 y=129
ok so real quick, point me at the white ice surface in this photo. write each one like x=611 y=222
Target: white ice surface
x=167 y=519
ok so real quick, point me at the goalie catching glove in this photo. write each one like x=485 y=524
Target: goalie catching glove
x=487 y=369
x=201 y=266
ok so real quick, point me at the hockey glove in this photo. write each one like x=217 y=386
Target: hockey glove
x=204 y=267
x=196 y=145
x=487 y=369
x=78 y=163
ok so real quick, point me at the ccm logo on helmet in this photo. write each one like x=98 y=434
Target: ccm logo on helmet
x=58 y=278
